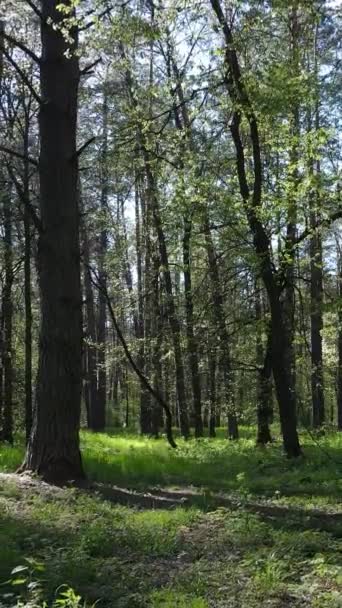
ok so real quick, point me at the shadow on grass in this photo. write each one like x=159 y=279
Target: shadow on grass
x=214 y=466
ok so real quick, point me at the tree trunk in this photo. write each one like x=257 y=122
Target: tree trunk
x=90 y=346
x=316 y=272
x=212 y=391
x=53 y=450
x=339 y=340
x=7 y=428
x=27 y=287
x=264 y=388
x=99 y=419
x=190 y=334
x=221 y=330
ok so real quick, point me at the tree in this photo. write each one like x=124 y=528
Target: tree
x=53 y=450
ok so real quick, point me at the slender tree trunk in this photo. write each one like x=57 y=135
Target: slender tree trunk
x=53 y=450
x=316 y=272
x=99 y=418
x=146 y=309
x=27 y=287
x=153 y=203
x=316 y=315
x=264 y=389
x=190 y=334
x=7 y=429
x=221 y=330
x=212 y=391
x=339 y=340
x=90 y=346
x=264 y=396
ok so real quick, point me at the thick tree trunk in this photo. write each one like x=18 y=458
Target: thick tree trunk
x=53 y=450
x=282 y=373
x=190 y=334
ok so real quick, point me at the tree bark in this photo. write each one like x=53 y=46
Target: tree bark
x=53 y=450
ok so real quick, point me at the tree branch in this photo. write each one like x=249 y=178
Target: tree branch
x=87 y=69
x=21 y=74
x=22 y=47
x=35 y=219
x=34 y=8
x=31 y=160
x=84 y=146
x=139 y=373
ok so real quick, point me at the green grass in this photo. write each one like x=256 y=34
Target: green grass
x=186 y=557
x=218 y=465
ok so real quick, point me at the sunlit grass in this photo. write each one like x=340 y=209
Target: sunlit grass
x=212 y=465
x=184 y=557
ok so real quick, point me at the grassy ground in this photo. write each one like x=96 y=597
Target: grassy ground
x=194 y=556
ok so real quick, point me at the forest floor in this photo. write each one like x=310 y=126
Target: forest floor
x=213 y=524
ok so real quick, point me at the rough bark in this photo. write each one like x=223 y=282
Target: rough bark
x=53 y=450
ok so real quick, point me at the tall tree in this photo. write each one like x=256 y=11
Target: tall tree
x=252 y=200
x=53 y=450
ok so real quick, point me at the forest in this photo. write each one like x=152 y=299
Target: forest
x=170 y=304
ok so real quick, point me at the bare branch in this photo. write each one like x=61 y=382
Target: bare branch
x=22 y=47
x=34 y=8
x=16 y=154
x=21 y=74
x=134 y=366
x=84 y=146
x=35 y=219
x=88 y=68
